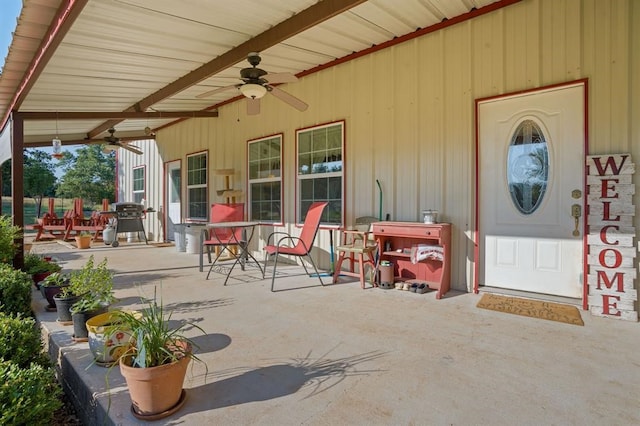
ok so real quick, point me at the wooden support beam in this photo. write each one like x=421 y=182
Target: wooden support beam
x=116 y=115
x=319 y=12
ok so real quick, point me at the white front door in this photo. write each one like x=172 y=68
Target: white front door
x=174 y=205
x=531 y=149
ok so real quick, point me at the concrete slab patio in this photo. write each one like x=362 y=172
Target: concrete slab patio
x=339 y=355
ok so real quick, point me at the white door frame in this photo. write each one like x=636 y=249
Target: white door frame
x=167 y=187
x=477 y=233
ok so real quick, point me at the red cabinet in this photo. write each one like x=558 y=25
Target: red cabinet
x=396 y=240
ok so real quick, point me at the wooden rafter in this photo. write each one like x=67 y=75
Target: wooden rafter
x=319 y=12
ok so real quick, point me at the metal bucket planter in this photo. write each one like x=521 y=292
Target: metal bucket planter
x=108 y=348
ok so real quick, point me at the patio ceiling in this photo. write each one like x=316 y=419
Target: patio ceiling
x=122 y=58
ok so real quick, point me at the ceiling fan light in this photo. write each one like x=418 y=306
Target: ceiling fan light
x=253 y=91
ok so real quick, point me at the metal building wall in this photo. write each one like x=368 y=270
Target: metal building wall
x=409 y=109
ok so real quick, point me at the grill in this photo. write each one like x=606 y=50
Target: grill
x=129 y=219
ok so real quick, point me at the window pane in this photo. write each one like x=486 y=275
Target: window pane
x=198 y=203
x=264 y=179
x=527 y=167
x=197 y=181
x=320 y=169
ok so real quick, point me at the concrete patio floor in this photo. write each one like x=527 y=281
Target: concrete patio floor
x=339 y=355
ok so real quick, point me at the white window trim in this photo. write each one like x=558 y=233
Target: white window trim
x=279 y=178
x=204 y=185
x=302 y=177
x=144 y=182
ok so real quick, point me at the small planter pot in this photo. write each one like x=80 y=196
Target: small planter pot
x=38 y=277
x=80 y=332
x=107 y=348
x=49 y=293
x=156 y=392
x=83 y=241
x=63 y=306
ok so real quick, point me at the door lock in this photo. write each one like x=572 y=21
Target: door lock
x=576 y=212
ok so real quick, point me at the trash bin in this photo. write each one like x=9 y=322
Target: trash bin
x=179 y=237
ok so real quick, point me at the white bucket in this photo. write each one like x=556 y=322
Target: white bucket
x=192 y=238
x=132 y=237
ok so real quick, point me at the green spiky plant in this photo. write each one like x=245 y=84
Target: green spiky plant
x=155 y=343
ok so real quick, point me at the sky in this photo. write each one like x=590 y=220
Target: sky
x=9 y=11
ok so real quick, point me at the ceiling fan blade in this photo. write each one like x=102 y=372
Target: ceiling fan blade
x=216 y=91
x=253 y=106
x=131 y=148
x=280 y=77
x=289 y=98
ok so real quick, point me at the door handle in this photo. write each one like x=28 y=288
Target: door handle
x=576 y=212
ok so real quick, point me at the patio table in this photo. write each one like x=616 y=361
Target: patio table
x=248 y=228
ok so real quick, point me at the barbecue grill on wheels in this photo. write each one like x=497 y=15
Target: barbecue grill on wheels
x=129 y=219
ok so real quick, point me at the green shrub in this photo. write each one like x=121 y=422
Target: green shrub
x=21 y=341
x=28 y=396
x=15 y=291
x=35 y=264
x=8 y=234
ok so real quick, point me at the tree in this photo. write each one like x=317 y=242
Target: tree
x=6 y=178
x=39 y=177
x=90 y=175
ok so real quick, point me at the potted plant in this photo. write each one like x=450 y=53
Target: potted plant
x=109 y=338
x=93 y=284
x=155 y=365
x=39 y=267
x=83 y=240
x=53 y=285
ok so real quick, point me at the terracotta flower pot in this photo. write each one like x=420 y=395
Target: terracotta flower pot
x=156 y=392
x=83 y=241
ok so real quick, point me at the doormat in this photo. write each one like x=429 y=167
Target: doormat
x=531 y=308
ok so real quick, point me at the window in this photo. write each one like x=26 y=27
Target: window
x=197 y=186
x=528 y=167
x=265 y=179
x=138 y=184
x=320 y=170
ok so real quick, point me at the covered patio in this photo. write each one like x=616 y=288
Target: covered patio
x=339 y=355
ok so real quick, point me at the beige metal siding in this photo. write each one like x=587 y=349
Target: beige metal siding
x=409 y=109
x=127 y=161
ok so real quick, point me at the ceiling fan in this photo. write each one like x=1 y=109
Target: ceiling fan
x=256 y=83
x=112 y=143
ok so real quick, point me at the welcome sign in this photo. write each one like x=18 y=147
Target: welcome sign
x=611 y=236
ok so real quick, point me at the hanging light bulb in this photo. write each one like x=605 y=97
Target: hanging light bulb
x=57 y=144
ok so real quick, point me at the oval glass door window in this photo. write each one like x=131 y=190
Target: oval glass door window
x=527 y=167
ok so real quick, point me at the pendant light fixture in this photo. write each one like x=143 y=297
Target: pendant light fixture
x=57 y=143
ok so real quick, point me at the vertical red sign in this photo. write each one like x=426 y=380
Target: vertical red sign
x=612 y=275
